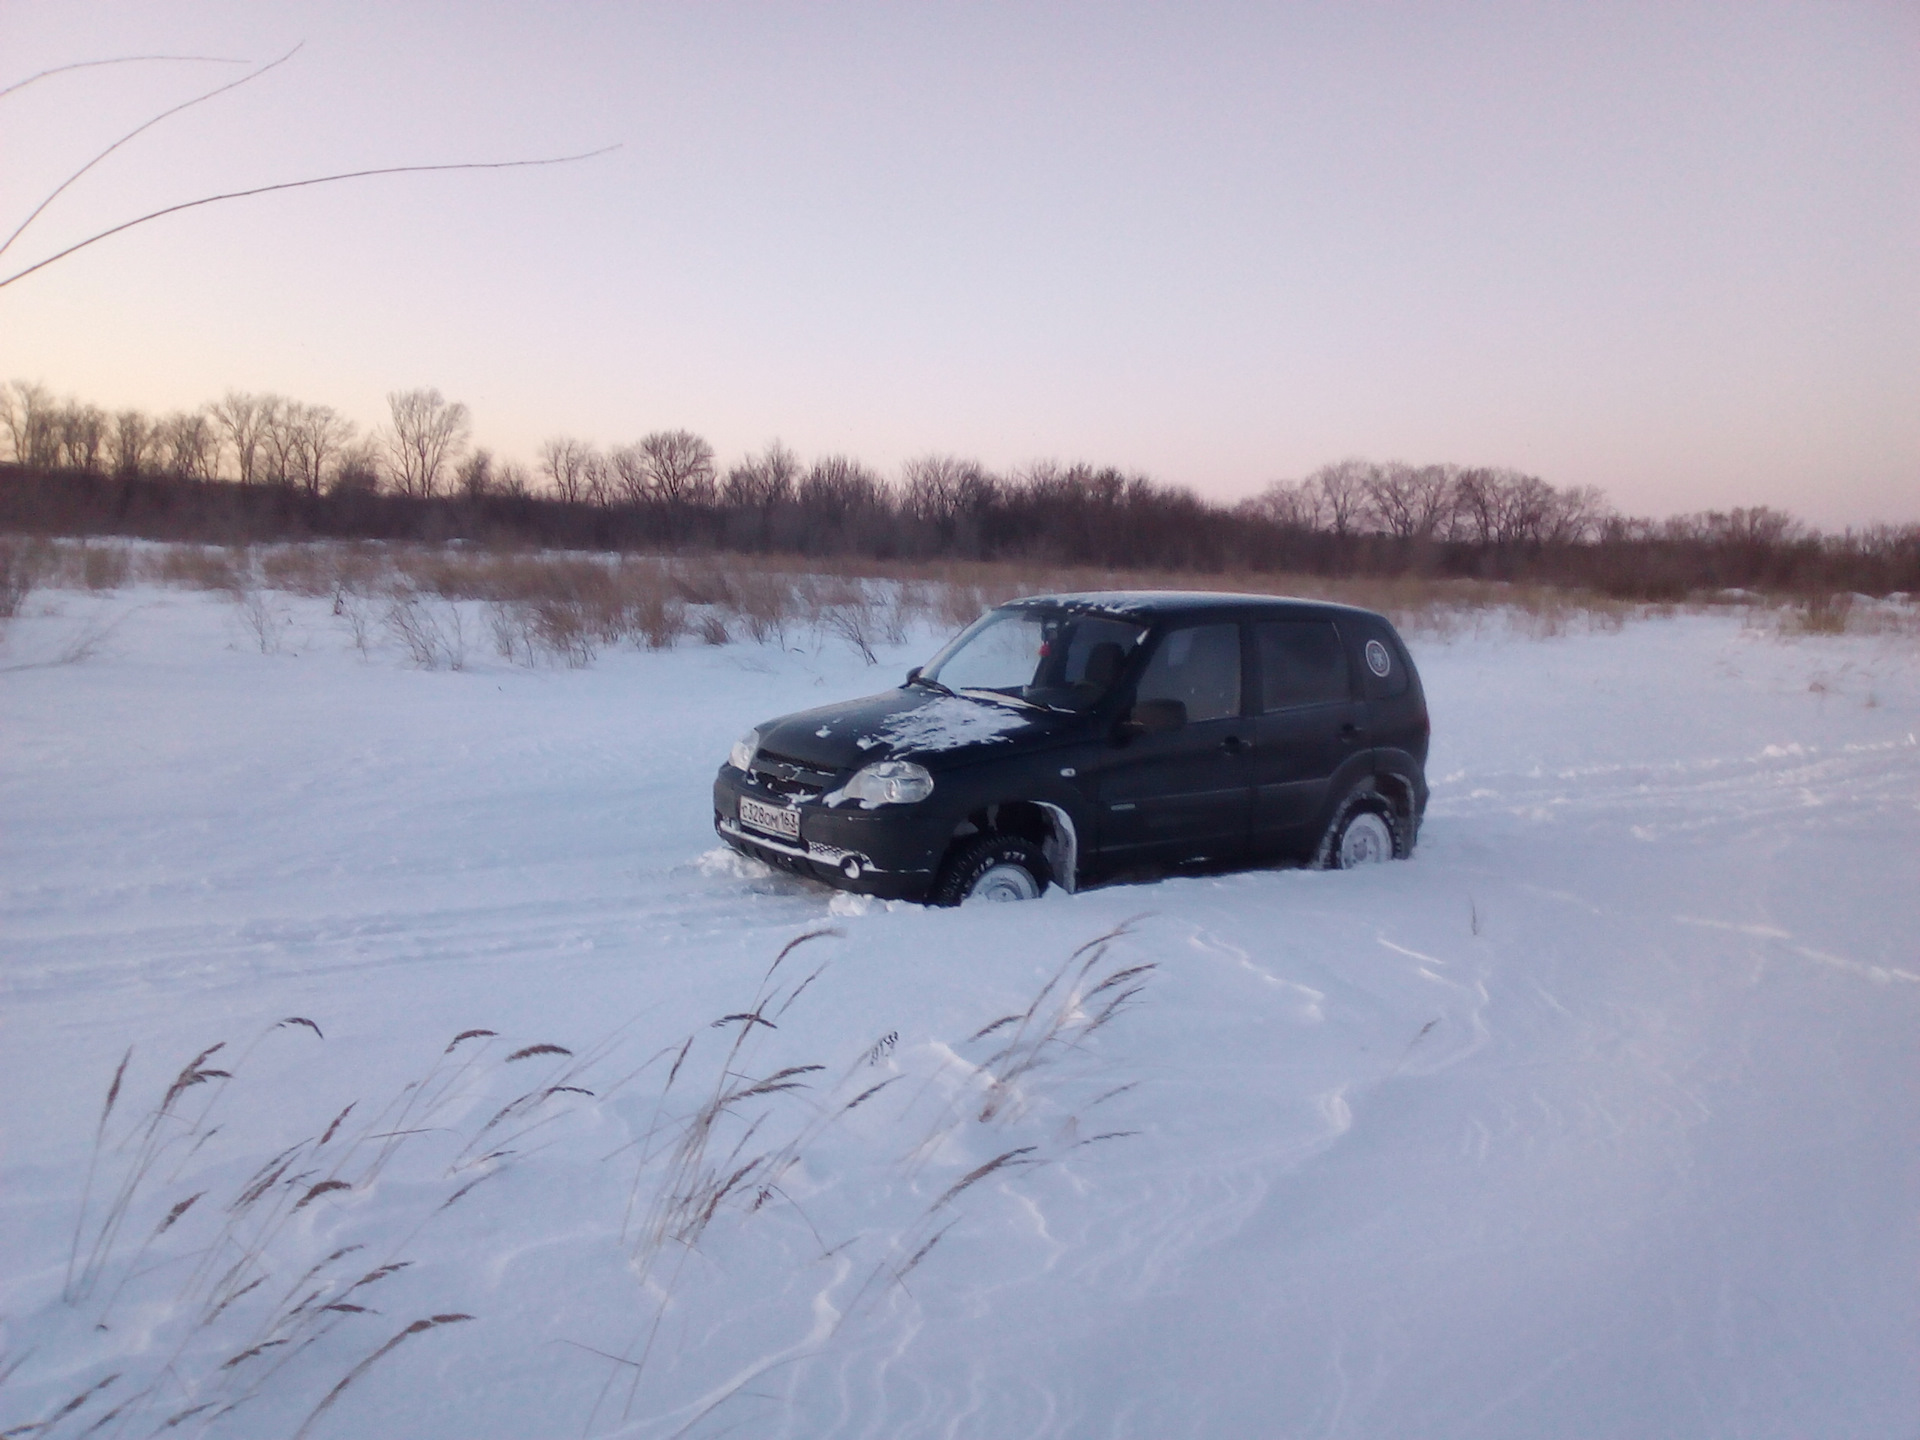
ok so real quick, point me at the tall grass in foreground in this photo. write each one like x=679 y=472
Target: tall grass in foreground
x=225 y=1276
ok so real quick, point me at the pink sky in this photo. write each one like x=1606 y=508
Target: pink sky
x=1672 y=250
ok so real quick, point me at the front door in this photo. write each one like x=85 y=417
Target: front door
x=1182 y=793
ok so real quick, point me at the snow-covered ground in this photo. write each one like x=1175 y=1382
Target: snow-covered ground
x=1598 y=1118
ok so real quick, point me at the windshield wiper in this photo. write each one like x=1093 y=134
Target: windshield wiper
x=1015 y=700
x=932 y=684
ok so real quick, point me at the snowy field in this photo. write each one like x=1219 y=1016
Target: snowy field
x=1598 y=1118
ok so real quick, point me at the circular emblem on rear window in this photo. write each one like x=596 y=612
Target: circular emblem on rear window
x=1378 y=661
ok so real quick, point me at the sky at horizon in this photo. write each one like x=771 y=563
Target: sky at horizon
x=1665 y=249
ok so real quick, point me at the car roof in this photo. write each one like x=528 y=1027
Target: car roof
x=1159 y=604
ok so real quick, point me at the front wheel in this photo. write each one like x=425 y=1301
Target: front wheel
x=992 y=868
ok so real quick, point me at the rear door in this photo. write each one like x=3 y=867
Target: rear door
x=1310 y=732
x=1183 y=794
x=1397 y=707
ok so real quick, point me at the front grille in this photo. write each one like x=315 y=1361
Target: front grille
x=789 y=779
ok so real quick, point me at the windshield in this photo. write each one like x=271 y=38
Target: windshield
x=1061 y=659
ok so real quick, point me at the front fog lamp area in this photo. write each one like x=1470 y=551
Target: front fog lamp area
x=885 y=782
x=744 y=749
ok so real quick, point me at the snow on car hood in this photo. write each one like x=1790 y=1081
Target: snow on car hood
x=948 y=722
x=904 y=723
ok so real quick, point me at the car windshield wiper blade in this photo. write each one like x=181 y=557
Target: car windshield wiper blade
x=1014 y=700
x=932 y=684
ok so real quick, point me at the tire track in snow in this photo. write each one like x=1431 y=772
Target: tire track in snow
x=1777 y=787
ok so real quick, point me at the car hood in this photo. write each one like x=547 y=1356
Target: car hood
x=911 y=723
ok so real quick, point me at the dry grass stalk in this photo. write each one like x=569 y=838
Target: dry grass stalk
x=433 y=642
x=23 y=566
x=264 y=620
x=416 y=1328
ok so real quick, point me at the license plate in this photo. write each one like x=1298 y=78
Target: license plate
x=774 y=819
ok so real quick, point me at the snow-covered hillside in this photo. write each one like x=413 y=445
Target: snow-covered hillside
x=1595 y=1119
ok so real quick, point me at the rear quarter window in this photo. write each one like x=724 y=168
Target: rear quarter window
x=1379 y=657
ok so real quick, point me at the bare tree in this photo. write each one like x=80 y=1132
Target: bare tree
x=1436 y=497
x=838 y=486
x=1343 y=492
x=513 y=481
x=28 y=411
x=1291 y=504
x=83 y=435
x=629 y=468
x=677 y=468
x=1501 y=507
x=280 y=441
x=598 y=482
x=1577 y=515
x=320 y=440
x=426 y=439
x=1758 y=525
x=1390 y=498
x=563 y=460
x=244 y=422
x=357 y=471
x=761 y=482
x=474 y=477
x=942 y=488
x=131 y=443
x=189 y=444
x=1478 y=509
x=1407 y=501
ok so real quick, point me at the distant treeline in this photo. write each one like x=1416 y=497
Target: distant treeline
x=261 y=468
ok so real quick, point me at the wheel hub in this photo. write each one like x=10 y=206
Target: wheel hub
x=1001 y=883
x=1366 y=841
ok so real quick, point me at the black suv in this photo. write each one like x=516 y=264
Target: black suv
x=1064 y=737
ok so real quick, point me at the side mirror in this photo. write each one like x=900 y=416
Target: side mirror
x=913 y=674
x=1153 y=717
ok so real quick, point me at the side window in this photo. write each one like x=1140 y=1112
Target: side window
x=1200 y=667
x=1383 y=666
x=1301 y=663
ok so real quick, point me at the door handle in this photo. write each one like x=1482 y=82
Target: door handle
x=1233 y=745
x=1351 y=732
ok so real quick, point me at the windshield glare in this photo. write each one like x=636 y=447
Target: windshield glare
x=1057 y=658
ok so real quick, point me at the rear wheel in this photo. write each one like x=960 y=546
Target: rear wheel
x=992 y=868
x=1364 y=840
x=1364 y=832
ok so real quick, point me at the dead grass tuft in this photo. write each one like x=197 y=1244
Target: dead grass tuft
x=23 y=566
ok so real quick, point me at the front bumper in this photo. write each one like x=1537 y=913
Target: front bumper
x=891 y=852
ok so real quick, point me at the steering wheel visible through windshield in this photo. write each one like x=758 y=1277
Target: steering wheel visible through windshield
x=1062 y=659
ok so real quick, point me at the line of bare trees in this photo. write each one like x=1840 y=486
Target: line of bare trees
x=265 y=467
x=253 y=439
x=1485 y=506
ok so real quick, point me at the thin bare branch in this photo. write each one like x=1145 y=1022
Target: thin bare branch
x=297 y=185
x=120 y=60
x=138 y=130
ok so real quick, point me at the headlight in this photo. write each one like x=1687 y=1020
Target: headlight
x=886 y=782
x=741 y=756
